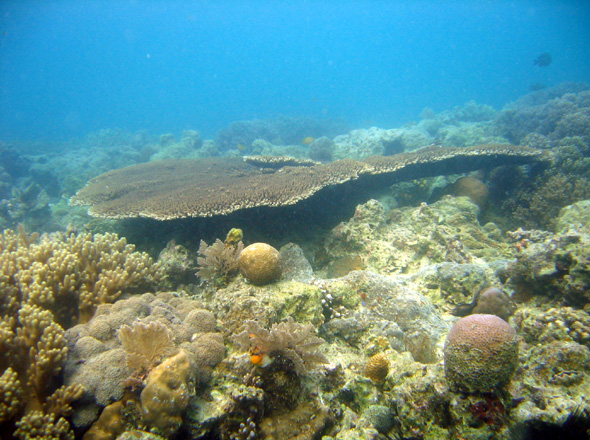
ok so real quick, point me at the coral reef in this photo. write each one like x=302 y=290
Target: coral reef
x=556 y=324
x=70 y=274
x=555 y=113
x=481 y=353
x=406 y=239
x=166 y=393
x=50 y=283
x=100 y=361
x=322 y=149
x=260 y=263
x=26 y=191
x=81 y=351
x=220 y=261
x=189 y=146
x=173 y=189
x=292 y=341
x=281 y=130
x=554 y=265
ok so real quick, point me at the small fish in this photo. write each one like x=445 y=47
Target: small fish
x=307 y=140
x=543 y=60
x=241 y=147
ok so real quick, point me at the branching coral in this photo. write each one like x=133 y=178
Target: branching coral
x=70 y=274
x=293 y=341
x=36 y=355
x=218 y=262
x=49 y=283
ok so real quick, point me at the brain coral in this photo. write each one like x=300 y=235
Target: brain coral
x=481 y=353
x=260 y=263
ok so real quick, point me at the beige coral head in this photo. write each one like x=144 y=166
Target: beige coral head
x=260 y=263
x=167 y=392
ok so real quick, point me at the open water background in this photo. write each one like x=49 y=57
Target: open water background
x=71 y=67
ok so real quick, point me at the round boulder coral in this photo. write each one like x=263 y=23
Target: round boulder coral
x=481 y=353
x=473 y=188
x=494 y=301
x=260 y=263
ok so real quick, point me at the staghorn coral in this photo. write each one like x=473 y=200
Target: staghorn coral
x=170 y=189
x=293 y=341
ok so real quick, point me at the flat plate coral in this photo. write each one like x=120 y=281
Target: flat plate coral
x=171 y=189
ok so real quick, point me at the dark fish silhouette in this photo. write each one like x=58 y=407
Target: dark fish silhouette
x=543 y=60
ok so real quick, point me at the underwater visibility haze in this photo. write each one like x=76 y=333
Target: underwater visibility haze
x=294 y=220
x=69 y=67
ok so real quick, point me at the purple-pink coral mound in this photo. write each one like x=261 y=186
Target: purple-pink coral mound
x=481 y=353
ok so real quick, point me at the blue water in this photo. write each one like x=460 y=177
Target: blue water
x=71 y=67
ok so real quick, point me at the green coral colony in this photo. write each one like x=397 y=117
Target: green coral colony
x=450 y=307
